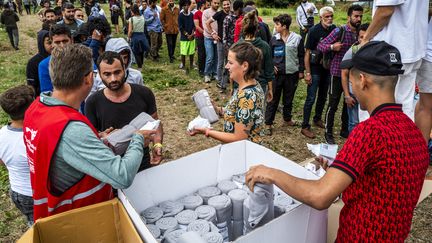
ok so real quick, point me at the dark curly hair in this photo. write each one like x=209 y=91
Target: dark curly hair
x=16 y=100
x=283 y=19
x=99 y=24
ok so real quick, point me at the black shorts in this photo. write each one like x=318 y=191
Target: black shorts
x=115 y=19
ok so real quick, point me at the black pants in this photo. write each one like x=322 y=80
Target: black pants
x=171 y=43
x=335 y=92
x=28 y=9
x=13 y=36
x=285 y=85
x=201 y=54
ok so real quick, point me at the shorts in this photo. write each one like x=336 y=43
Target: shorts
x=187 y=48
x=424 y=77
x=114 y=19
x=24 y=204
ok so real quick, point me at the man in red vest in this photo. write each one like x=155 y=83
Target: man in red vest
x=70 y=167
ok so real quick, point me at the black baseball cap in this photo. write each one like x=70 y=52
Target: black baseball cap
x=376 y=57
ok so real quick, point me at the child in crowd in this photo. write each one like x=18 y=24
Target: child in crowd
x=187 y=34
x=15 y=102
x=349 y=98
x=288 y=59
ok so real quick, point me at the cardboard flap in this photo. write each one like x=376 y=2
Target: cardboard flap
x=232 y=160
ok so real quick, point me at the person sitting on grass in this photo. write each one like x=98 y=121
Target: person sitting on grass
x=15 y=102
x=244 y=113
x=380 y=169
x=187 y=35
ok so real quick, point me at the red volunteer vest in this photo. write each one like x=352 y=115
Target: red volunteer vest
x=43 y=128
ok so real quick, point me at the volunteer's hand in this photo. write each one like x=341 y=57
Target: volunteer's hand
x=216 y=37
x=350 y=101
x=321 y=162
x=198 y=130
x=105 y=133
x=156 y=156
x=259 y=174
x=147 y=135
x=308 y=79
x=337 y=46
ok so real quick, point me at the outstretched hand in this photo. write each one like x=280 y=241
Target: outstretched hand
x=259 y=174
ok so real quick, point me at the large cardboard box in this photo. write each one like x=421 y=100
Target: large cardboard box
x=103 y=222
x=173 y=180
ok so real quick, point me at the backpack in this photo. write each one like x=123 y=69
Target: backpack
x=328 y=57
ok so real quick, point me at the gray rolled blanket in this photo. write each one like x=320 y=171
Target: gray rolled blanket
x=206 y=212
x=191 y=237
x=282 y=204
x=191 y=202
x=186 y=217
x=152 y=214
x=223 y=206
x=154 y=230
x=173 y=236
x=171 y=208
x=200 y=226
x=226 y=186
x=213 y=237
x=258 y=208
x=167 y=224
x=208 y=192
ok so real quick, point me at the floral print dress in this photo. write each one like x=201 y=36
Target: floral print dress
x=246 y=106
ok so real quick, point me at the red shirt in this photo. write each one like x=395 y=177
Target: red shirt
x=387 y=157
x=198 y=15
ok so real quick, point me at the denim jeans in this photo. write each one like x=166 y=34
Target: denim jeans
x=24 y=204
x=211 y=57
x=320 y=83
x=222 y=77
x=353 y=115
x=13 y=36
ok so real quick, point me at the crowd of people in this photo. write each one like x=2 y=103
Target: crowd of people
x=81 y=86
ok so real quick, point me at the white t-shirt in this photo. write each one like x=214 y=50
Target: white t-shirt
x=13 y=154
x=407 y=29
x=301 y=17
x=428 y=56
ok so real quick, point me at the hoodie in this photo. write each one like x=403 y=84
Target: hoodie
x=9 y=19
x=32 y=73
x=133 y=76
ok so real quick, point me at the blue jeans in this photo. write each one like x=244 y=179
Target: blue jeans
x=353 y=116
x=211 y=57
x=320 y=82
x=24 y=204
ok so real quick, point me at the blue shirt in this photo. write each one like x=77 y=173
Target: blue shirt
x=153 y=23
x=44 y=77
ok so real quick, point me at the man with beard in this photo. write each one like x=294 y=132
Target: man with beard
x=68 y=11
x=338 y=42
x=120 y=102
x=316 y=76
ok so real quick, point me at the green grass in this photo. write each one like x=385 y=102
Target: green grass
x=162 y=77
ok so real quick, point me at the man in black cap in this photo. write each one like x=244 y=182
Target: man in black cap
x=381 y=168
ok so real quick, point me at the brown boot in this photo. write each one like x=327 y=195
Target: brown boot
x=307 y=133
x=319 y=124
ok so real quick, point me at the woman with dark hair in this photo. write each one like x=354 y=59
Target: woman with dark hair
x=250 y=26
x=138 y=40
x=244 y=113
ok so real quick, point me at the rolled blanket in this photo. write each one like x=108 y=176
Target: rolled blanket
x=191 y=202
x=172 y=236
x=237 y=226
x=213 y=237
x=226 y=186
x=207 y=213
x=223 y=206
x=208 y=192
x=203 y=103
x=237 y=198
x=213 y=227
x=240 y=179
x=171 y=208
x=201 y=226
x=191 y=237
x=154 y=230
x=258 y=208
x=186 y=217
x=152 y=214
x=143 y=219
x=281 y=204
x=168 y=223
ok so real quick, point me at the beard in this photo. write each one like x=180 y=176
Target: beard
x=115 y=85
x=355 y=25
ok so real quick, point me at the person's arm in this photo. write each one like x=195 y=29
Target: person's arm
x=268 y=72
x=83 y=150
x=350 y=101
x=308 y=75
x=197 y=26
x=318 y=194
x=299 y=14
x=328 y=44
x=315 y=12
x=157 y=143
x=148 y=16
x=130 y=28
x=379 y=21
x=213 y=32
x=95 y=43
x=301 y=59
x=240 y=133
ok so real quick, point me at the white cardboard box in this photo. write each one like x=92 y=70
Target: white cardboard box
x=186 y=175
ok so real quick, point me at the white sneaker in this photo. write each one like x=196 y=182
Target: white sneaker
x=207 y=79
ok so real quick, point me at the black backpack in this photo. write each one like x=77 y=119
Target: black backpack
x=328 y=57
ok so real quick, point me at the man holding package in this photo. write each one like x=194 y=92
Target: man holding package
x=120 y=102
x=381 y=168
x=70 y=167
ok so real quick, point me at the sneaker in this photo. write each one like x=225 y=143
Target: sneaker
x=319 y=124
x=181 y=66
x=344 y=134
x=329 y=138
x=207 y=79
x=307 y=133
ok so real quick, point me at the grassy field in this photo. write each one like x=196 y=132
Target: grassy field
x=173 y=90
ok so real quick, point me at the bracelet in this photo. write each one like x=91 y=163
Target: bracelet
x=157 y=145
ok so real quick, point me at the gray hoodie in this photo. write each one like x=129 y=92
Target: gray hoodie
x=133 y=76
